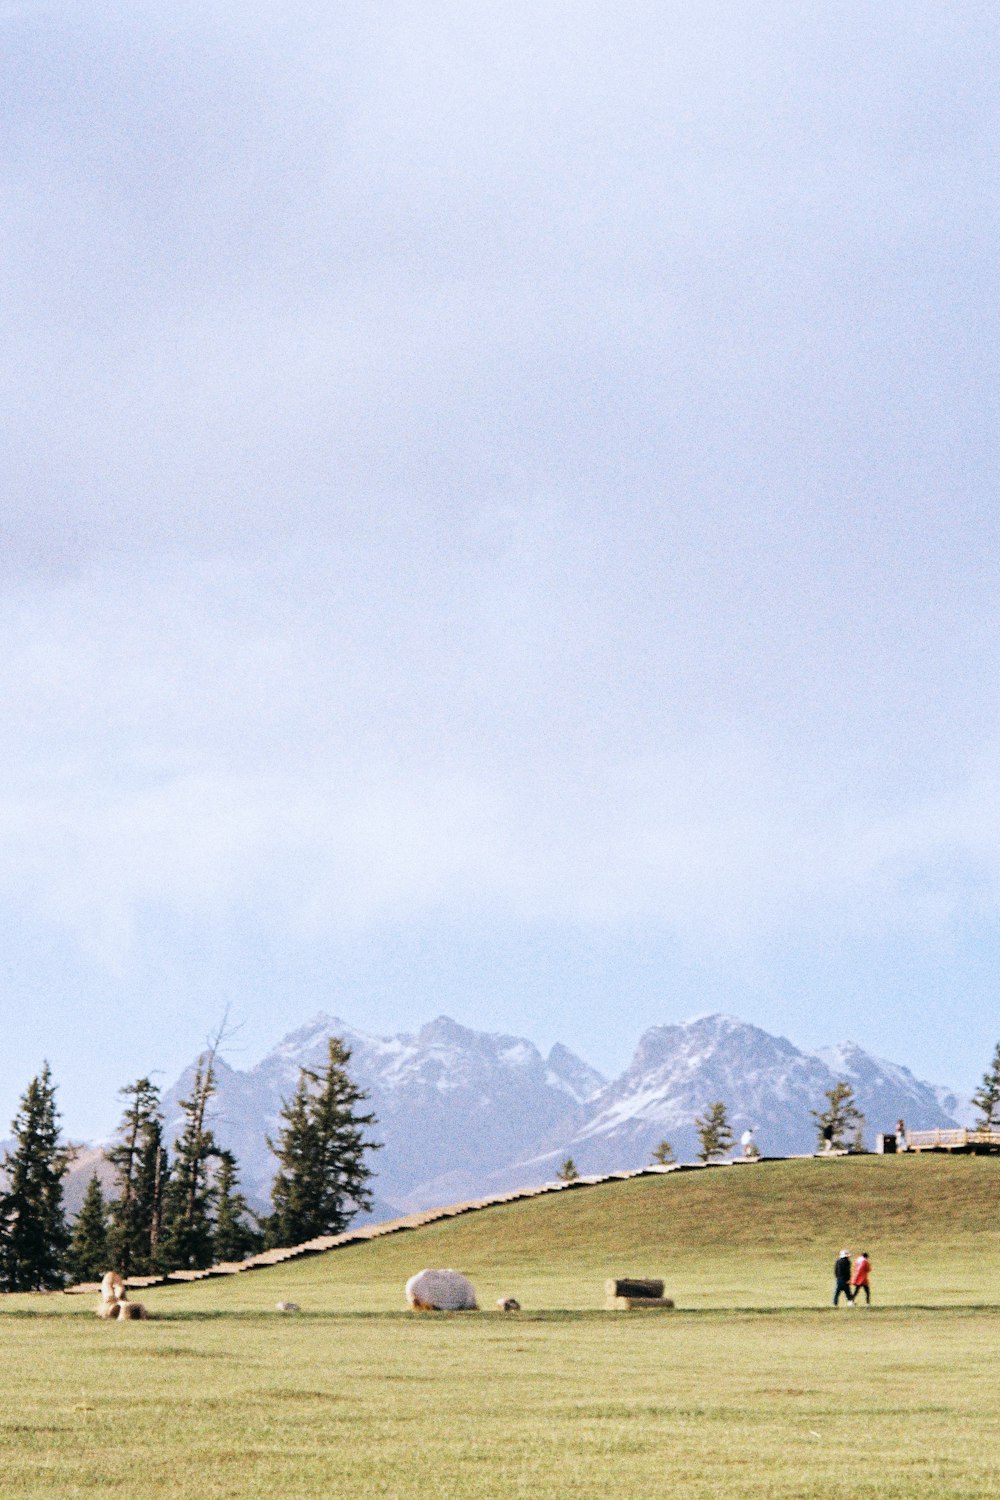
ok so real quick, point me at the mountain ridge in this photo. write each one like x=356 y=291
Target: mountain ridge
x=461 y=1112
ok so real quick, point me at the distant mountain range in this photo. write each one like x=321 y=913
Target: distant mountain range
x=463 y=1112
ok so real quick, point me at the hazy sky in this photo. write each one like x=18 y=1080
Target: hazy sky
x=498 y=518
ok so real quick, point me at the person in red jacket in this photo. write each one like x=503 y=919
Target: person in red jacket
x=859 y=1278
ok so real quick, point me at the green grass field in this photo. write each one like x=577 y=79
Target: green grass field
x=753 y=1387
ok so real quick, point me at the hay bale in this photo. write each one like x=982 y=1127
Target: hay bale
x=440 y=1291
x=633 y=1286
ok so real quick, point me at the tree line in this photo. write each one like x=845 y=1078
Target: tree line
x=180 y=1208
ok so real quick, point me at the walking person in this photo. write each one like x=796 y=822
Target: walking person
x=842 y=1278
x=859 y=1278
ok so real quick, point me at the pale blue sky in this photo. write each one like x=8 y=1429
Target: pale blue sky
x=498 y=518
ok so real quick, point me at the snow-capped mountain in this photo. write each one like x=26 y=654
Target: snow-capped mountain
x=463 y=1112
x=451 y=1104
x=766 y=1083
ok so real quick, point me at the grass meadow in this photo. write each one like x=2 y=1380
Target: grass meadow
x=753 y=1387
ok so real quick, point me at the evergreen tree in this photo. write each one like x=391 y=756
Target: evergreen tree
x=233 y=1236
x=33 y=1232
x=713 y=1132
x=841 y=1119
x=189 y=1198
x=139 y=1161
x=152 y=1177
x=663 y=1154
x=987 y=1098
x=322 y=1178
x=568 y=1171
x=87 y=1258
x=291 y=1190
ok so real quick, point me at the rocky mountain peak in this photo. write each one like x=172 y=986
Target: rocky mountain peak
x=568 y=1071
x=462 y=1111
x=691 y=1044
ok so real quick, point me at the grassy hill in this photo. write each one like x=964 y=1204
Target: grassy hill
x=745 y=1236
x=222 y=1397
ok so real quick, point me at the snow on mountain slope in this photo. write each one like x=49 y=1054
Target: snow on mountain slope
x=766 y=1083
x=463 y=1112
x=450 y=1103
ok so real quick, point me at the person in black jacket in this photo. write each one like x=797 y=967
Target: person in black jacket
x=842 y=1277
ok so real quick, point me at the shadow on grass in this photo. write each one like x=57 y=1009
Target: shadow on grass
x=524 y=1317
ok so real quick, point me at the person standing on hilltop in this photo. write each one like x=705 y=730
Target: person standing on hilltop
x=842 y=1277
x=859 y=1278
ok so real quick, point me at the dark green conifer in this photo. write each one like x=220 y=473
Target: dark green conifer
x=87 y=1258
x=714 y=1132
x=139 y=1161
x=322 y=1179
x=186 y=1234
x=842 y=1119
x=33 y=1233
x=234 y=1236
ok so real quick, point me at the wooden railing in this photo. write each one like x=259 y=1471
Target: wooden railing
x=951 y=1140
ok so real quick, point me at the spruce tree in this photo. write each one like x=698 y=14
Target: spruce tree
x=186 y=1235
x=87 y=1258
x=234 y=1237
x=33 y=1232
x=292 y=1186
x=663 y=1154
x=568 y=1171
x=322 y=1178
x=842 y=1119
x=139 y=1160
x=987 y=1097
x=714 y=1132
x=151 y=1179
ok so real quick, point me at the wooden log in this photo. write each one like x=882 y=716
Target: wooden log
x=623 y=1304
x=633 y=1286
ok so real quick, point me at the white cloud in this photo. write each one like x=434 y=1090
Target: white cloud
x=384 y=745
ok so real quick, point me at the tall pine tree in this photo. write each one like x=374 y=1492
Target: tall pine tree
x=87 y=1258
x=33 y=1232
x=322 y=1178
x=186 y=1237
x=139 y=1160
x=152 y=1177
x=234 y=1237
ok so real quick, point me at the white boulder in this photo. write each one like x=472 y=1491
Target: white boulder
x=440 y=1291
